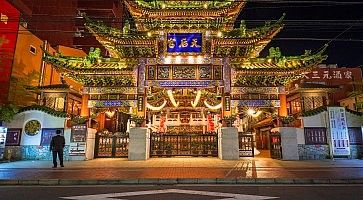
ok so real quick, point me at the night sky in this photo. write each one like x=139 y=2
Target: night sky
x=310 y=25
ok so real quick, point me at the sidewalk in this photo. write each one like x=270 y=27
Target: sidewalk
x=182 y=170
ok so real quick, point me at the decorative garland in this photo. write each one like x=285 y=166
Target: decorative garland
x=314 y=111
x=354 y=112
x=265 y=80
x=45 y=109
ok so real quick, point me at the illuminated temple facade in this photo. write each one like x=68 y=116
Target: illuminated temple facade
x=183 y=66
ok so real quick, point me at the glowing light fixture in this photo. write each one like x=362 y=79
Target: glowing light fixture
x=156 y=108
x=149 y=34
x=219 y=34
x=197 y=98
x=205 y=6
x=163 y=6
x=171 y=97
x=216 y=107
x=253 y=113
x=110 y=114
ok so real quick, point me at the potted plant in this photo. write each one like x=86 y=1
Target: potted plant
x=139 y=120
x=228 y=120
x=77 y=120
x=286 y=120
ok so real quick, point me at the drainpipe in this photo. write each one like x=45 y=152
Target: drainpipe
x=42 y=65
x=42 y=70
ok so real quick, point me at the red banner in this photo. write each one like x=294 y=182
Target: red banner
x=9 y=25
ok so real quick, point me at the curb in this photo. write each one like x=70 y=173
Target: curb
x=155 y=181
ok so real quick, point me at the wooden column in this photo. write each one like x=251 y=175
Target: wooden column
x=283 y=105
x=85 y=109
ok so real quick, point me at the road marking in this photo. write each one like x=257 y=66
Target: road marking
x=225 y=196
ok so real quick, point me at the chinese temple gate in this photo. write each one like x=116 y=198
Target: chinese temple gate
x=183 y=66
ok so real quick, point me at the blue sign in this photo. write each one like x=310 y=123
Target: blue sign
x=184 y=43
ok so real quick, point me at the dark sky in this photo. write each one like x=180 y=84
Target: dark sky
x=311 y=24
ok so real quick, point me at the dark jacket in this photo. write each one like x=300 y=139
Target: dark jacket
x=57 y=143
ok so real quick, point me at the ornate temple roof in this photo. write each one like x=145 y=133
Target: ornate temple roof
x=274 y=70
x=94 y=70
x=275 y=62
x=149 y=13
x=241 y=42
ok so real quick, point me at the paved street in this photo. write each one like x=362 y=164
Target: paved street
x=180 y=192
x=210 y=168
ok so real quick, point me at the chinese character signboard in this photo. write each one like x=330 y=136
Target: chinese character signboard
x=3 y=132
x=47 y=134
x=78 y=133
x=184 y=43
x=326 y=74
x=9 y=25
x=13 y=137
x=339 y=131
x=77 y=146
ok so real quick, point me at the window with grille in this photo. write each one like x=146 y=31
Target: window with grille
x=315 y=136
x=355 y=135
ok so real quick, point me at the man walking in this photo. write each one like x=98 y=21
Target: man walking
x=57 y=146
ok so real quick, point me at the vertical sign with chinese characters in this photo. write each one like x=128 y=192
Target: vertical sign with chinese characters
x=140 y=104
x=227 y=103
x=9 y=25
x=3 y=132
x=77 y=145
x=184 y=43
x=339 y=131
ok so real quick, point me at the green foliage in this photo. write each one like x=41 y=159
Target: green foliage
x=137 y=119
x=287 y=119
x=7 y=112
x=46 y=110
x=76 y=120
x=19 y=93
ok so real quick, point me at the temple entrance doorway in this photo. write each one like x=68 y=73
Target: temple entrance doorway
x=112 y=137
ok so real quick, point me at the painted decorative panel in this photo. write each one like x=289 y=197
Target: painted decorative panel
x=205 y=72
x=163 y=72
x=255 y=103
x=218 y=72
x=151 y=72
x=184 y=72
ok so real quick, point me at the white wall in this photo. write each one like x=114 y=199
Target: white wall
x=300 y=136
x=46 y=121
x=354 y=120
x=319 y=120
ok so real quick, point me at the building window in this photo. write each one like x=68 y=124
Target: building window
x=59 y=104
x=32 y=49
x=295 y=106
x=355 y=135
x=314 y=136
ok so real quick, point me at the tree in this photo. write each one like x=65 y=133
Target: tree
x=19 y=93
x=7 y=112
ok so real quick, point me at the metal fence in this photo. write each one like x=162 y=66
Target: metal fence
x=183 y=144
x=111 y=145
x=246 y=147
